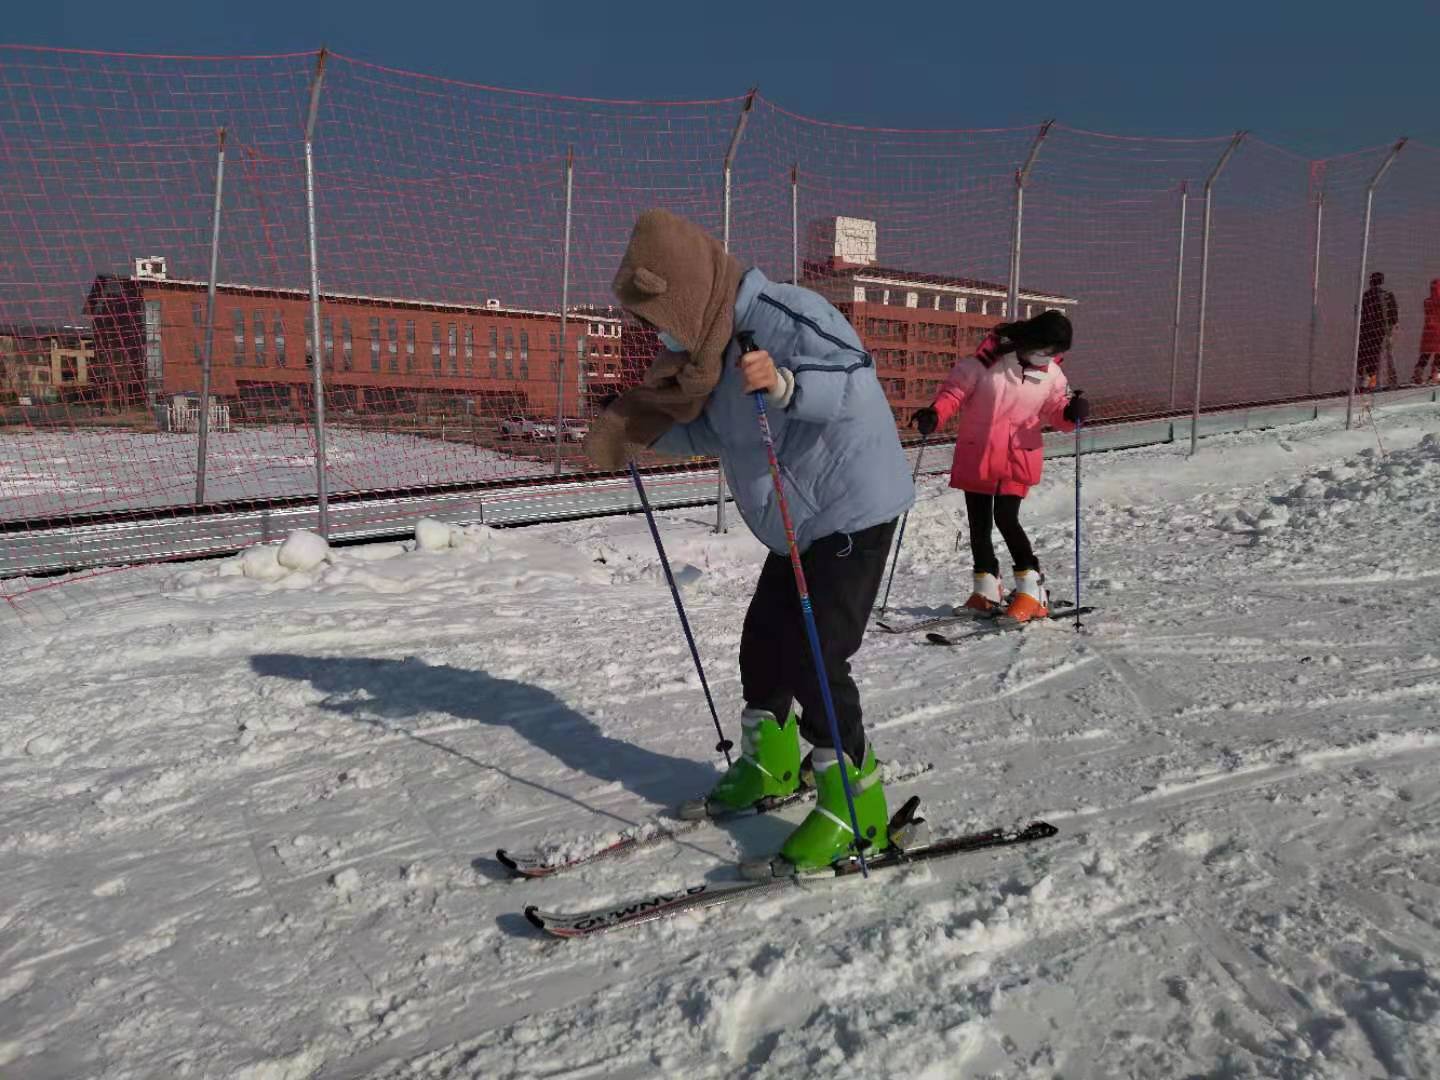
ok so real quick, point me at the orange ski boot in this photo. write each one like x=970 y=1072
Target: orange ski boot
x=1030 y=600
x=985 y=600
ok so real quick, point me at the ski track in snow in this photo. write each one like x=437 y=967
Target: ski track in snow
x=246 y=828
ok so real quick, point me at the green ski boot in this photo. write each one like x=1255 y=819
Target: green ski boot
x=825 y=836
x=768 y=766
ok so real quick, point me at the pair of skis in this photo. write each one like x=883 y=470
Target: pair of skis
x=977 y=622
x=664 y=904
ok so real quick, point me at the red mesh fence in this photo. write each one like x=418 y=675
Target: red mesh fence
x=456 y=349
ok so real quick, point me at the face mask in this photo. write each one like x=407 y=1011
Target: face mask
x=670 y=342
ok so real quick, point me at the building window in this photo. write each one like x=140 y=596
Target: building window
x=259 y=325
x=524 y=354
x=239 y=338
x=962 y=304
x=154 y=358
x=885 y=296
x=554 y=343
x=452 y=342
x=1004 y=309
x=374 y=343
x=469 y=350
x=327 y=324
x=435 y=347
x=912 y=299
x=859 y=294
x=394 y=329
x=409 y=346
x=279 y=339
x=347 y=346
x=197 y=317
x=494 y=354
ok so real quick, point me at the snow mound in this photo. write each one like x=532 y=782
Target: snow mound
x=1402 y=482
x=432 y=535
x=262 y=563
x=303 y=550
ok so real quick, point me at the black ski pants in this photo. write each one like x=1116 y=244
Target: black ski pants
x=985 y=513
x=843 y=572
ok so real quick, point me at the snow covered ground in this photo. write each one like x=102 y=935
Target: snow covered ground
x=247 y=826
x=86 y=472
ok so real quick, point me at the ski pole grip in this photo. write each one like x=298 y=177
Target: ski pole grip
x=747 y=345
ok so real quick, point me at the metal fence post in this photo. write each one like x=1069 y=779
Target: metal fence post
x=1022 y=176
x=317 y=337
x=740 y=123
x=1315 y=282
x=564 y=317
x=1205 y=286
x=202 y=451
x=795 y=224
x=1179 y=295
x=1364 y=258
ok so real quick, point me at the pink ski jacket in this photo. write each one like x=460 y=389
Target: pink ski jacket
x=1003 y=407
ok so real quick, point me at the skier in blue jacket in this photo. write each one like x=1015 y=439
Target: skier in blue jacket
x=846 y=483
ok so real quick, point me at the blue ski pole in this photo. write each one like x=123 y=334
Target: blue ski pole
x=724 y=744
x=900 y=538
x=1077 y=520
x=747 y=345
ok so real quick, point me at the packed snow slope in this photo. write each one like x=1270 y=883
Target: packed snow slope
x=249 y=810
x=103 y=471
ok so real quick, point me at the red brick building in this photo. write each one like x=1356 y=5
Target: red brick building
x=378 y=353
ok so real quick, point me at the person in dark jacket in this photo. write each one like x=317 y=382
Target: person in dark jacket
x=1378 y=316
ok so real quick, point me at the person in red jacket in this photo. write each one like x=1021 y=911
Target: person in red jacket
x=1005 y=396
x=1430 y=338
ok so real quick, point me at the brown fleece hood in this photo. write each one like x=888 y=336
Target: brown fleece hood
x=678 y=278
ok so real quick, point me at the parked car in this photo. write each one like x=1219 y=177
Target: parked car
x=519 y=427
x=575 y=429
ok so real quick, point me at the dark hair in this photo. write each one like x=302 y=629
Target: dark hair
x=1048 y=330
x=1377 y=278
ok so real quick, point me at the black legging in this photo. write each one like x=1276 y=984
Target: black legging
x=988 y=511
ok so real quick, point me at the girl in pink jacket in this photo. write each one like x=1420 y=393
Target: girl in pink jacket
x=1005 y=396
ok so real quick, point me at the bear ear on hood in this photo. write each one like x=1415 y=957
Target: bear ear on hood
x=649 y=282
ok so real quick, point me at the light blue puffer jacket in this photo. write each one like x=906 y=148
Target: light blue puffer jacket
x=836 y=441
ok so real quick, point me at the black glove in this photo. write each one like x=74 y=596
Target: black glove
x=925 y=420
x=1078 y=410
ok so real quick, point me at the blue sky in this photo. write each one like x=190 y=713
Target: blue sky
x=1318 y=78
